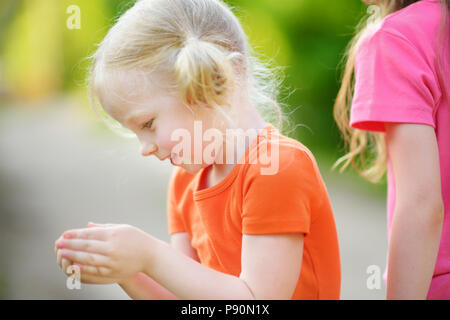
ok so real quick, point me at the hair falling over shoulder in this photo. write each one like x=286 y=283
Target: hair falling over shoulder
x=366 y=150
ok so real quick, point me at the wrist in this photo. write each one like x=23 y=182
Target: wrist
x=150 y=254
x=126 y=281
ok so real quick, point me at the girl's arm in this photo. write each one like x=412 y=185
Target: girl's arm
x=270 y=267
x=142 y=287
x=270 y=264
x=418 y=215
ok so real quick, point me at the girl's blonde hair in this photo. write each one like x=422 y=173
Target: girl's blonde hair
x=199 y=46
x=367 y=150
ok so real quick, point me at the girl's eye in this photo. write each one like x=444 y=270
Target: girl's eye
x=148 y=124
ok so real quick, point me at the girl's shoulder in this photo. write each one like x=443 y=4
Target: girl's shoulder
x=179 y=181
x=289 y=170
x=282 y=156
x=411 y=31
x=417 y=22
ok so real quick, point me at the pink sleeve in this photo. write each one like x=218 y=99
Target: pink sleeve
x=394 y=82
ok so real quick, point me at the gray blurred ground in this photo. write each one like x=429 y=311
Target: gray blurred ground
x=58 y=173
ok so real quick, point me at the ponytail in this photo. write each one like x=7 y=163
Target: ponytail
x=204 y=73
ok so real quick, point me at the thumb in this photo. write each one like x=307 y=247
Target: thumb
x=92 y=224
x=104 y=225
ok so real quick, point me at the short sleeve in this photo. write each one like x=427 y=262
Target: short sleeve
x=280 y=203
x=394 y=82
x=174 y=216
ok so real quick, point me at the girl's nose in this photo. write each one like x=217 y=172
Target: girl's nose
x=148 y=149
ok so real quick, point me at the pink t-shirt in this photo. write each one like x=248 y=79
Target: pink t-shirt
x=398 y=79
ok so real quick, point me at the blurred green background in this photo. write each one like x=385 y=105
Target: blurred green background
x=41 y=57
x=42 y=61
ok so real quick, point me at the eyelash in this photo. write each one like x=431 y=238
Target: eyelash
x=145 y=124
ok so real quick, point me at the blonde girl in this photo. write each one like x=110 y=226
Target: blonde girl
x=237 y=232
x=393 y=109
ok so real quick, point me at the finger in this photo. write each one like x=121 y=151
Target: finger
x=59 y=259
x=94 y=233
x=92 y=279
x=56 y=241
x=93 y=224
x=93 y=246
x=85 y=258
x=98 y=271
x=65 y=265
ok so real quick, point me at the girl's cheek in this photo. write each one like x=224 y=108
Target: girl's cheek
x=164 y=138
x=164 y=141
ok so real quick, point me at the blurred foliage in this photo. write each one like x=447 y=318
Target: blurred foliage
x=309 y=39
x=40 y=56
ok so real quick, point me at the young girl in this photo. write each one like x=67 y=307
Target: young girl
x=175 y=68
x=401 y=95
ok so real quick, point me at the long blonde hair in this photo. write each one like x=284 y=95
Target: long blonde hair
x=198 y=45
x=367 y=150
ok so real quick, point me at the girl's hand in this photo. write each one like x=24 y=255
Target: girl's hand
x=86 y=278
x=62 y=263
x=115 y=251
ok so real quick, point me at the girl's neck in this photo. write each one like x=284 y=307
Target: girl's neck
x=250 y=119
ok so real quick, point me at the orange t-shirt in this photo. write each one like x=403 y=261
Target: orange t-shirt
x=293 y=200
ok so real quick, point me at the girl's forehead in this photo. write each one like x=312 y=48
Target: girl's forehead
x=123 y=109
x=134 y=82
x=126 y=93
x=124 y=86
x=118 y=88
